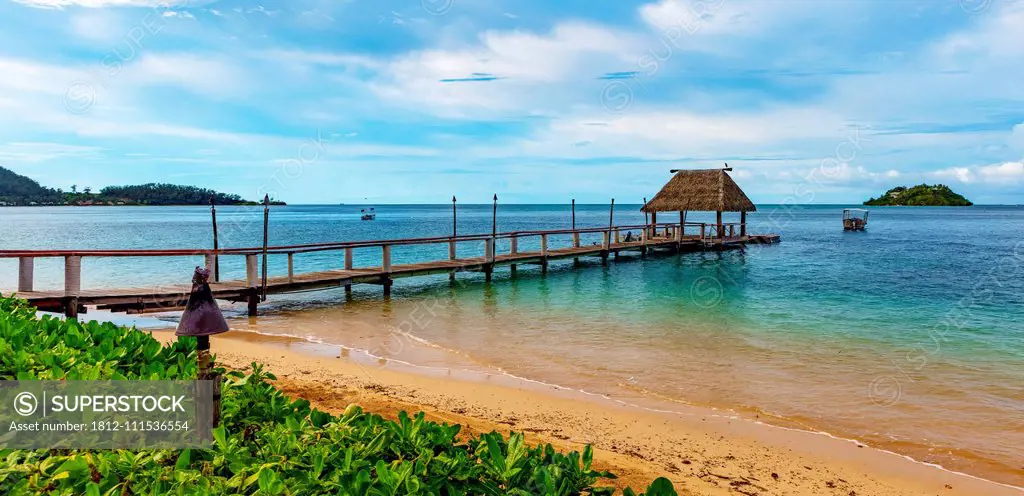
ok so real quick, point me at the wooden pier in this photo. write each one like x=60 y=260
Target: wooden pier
x=653 y=238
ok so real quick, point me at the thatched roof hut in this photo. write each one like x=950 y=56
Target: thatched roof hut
x=701 y=190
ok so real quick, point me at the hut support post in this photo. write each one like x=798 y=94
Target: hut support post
x=654 y=223
x=718 y=221
x=26 y=274
x=72 y=285
x=682 y=227
x=743 y=224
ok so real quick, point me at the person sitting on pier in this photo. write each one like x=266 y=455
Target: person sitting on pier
x=629 y=237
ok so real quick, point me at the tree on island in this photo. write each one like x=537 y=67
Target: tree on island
x=921 y=195
x=16 y=189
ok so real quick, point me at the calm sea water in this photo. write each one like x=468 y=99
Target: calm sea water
x=909 y=336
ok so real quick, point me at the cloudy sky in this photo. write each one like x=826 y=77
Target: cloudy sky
x=326 y=101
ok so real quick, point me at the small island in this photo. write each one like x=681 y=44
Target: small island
x=922 y=195
x=17 y=190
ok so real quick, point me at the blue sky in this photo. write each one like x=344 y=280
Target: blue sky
x=326 y=101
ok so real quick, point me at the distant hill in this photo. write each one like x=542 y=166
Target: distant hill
x=921 y=195
x=18 y=190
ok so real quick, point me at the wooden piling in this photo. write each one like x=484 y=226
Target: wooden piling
x=215 y=270
x=386 y=262
x=348 y=266
x=252 y=282
x=291 y=267
x=26 y=274
x=72 y=285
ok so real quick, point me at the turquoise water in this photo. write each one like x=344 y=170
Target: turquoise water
x=909 y=336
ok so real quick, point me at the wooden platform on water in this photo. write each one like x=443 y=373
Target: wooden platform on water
x=73 y=299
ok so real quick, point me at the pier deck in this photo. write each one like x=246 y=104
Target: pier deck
x=73 y=299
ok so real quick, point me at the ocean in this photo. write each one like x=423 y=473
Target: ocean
x=908 y=336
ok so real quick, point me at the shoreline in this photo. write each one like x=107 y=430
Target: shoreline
x=703 y=450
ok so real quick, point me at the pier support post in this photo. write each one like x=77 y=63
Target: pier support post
x=211 y=263
x=452 y=255
x=254 y=302
x=252 y=281
x=251 y=271
x=575 y=240
x=348 y=266
x=718 y=221
x=514 y=250
x=72 y=285
x=26 y=274
x=387 y=282
x=743 y=224
x=489 y=246
x=386 y=263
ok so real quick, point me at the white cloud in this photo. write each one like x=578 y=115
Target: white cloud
x=1009 y=171
x=33 y=152
x=532 y=67
x=198 y=73
x=1017 y=137
x=997 y=174
x=95 y=4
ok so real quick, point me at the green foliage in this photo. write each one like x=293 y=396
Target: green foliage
x=921 y=195
x=16 y=189
x=267 y=444
x=169 y=194
x=20 y=190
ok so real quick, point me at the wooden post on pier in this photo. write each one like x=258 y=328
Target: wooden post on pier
x=266 y=233
x=452 y=252
x=72 y=285
x=26 y=274
x=386 y=281
x=348 y=266
x=215 y=270
x=544 y=253
x=743 y=223
x=575 y=235
x=252 y=282
x=291 y=267
x=719 y=228
x=514 y=250
x=211 y=262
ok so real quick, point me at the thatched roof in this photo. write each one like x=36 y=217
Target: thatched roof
x=703 y=190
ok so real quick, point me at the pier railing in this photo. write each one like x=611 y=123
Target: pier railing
x=611 y=236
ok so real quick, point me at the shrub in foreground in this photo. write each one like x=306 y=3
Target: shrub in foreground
x=268 y=444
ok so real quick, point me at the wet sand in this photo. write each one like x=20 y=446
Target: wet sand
x=704 y=451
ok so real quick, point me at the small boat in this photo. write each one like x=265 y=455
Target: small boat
x=369 y=214
x=855 y=219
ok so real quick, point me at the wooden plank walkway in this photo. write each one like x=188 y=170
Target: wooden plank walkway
x=73 y=300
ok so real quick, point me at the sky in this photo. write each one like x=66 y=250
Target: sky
x=539 y=101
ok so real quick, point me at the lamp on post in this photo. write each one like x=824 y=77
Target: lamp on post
x=201 y=319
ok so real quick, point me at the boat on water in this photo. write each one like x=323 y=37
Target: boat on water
x=855 y=219
x=369 y=214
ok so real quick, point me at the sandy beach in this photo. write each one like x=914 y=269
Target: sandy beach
x=705 y=452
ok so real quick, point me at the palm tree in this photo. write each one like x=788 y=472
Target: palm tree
x=74 y=189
